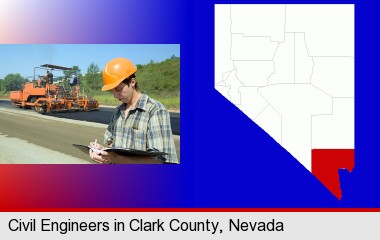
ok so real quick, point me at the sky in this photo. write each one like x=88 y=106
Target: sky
x=22 y=58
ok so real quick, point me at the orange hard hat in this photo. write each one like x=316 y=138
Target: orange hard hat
x=116 y=71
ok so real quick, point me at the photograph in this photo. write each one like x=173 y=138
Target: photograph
x=55 y=97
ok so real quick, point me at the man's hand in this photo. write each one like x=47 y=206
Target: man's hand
x=97 y=154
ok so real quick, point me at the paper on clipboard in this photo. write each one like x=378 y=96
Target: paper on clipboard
x=122 y=151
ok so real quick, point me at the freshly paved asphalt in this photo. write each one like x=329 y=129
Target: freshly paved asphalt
x=102 y=116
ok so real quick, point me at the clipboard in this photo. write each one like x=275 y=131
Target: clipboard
x=122 y=151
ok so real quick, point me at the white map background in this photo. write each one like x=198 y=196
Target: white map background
x=290 y=68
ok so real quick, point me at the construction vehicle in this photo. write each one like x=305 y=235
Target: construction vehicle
x=44 y=96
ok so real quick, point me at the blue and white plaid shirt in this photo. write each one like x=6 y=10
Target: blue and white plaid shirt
x=147 y=127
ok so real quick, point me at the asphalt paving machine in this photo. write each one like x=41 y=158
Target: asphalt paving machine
x=44 y=96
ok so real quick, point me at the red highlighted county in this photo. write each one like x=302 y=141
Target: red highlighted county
x=325 y=164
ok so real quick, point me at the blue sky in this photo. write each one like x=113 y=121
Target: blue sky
x=22 y=58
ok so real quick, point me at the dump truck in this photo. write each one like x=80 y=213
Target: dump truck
x=44 y=96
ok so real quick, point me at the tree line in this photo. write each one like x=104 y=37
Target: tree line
x=161 y=78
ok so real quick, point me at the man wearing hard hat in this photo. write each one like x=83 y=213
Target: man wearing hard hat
x=139 y=123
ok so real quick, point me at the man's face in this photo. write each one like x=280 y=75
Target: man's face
x=123 y=92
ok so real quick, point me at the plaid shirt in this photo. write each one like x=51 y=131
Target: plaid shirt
x=147 y=127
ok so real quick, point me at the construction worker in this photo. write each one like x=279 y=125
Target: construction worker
x=140 y=122
x=73 y=80
x=48 y=78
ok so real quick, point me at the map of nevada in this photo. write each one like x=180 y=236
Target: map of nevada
x=290 y=68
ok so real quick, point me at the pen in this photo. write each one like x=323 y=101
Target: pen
x=95 y=148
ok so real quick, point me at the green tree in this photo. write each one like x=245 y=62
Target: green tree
x=13 y=82
x=93 y=79
x=174 y=57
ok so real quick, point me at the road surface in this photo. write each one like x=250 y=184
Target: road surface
x=29 y=137
x=102 y=116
